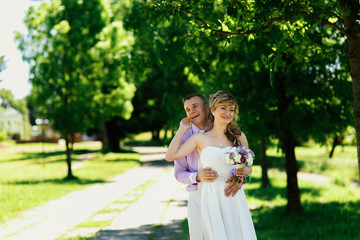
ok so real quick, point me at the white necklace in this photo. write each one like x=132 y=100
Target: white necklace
x=220 y=144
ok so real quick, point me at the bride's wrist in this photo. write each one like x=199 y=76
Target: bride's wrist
x=248 y=173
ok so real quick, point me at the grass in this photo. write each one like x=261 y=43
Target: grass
x=314 y=159
x=32 y=174
x=330 y=211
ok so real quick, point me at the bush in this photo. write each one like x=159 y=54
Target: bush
x=3 y=136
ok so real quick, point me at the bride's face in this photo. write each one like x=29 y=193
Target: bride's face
x=224 y=113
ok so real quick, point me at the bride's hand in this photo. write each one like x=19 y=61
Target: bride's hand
x=233 y=187
x=243 y=172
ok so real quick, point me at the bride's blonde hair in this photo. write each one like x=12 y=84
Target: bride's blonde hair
x=223 y=97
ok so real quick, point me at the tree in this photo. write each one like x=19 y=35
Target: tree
x=157 y=64
x=219 y=19
x=246 y=18
x=8 y=100
x=66 y=57
x=113 y=90
x=2 y=64
x=290 y=110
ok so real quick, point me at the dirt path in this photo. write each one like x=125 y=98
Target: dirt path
x=163 y=204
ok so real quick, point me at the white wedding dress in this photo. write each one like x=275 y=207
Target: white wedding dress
x=223 y=218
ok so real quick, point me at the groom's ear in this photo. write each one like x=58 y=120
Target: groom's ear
x=207 y=108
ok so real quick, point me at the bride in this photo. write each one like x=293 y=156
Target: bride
x=222 y=217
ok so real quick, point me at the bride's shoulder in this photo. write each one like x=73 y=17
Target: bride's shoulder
x=242 y=139
x=200 y=136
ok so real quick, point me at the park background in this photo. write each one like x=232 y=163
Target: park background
x=115 y=72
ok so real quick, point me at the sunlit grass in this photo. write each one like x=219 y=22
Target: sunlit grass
x=315 y=159
x=330 y=211
x=29 y=178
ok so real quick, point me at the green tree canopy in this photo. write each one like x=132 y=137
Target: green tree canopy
x=302 y=82
x=8 y=100
x=224 y=18
x=66 y=47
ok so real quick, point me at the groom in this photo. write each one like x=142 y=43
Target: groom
x=188 y=170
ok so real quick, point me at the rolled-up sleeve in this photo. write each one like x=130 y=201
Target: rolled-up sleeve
x=185 y=169
x=182 y=172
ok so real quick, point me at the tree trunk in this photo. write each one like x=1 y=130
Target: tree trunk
x=353 y=28
x=104 y=139
x=288 y=141
x=264 y=167
x=337 y=140
x=156 y=134
x=354 y=51
x=69 y=141
x=293 y=192
x=113 y=136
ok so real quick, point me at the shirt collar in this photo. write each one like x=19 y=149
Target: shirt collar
x=195 y=129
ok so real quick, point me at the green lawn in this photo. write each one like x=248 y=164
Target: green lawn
x=31 y=174
x=314 y=159
x=330 y=211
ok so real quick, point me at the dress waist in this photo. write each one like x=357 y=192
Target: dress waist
x=223 y=177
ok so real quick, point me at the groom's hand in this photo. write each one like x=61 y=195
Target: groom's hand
x=185 y=123
x=233 y=187
x=206 y=175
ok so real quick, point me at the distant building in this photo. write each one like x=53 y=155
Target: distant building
x=11 y=122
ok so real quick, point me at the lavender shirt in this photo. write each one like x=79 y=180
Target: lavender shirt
x=186 y=168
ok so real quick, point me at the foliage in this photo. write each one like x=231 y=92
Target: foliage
x=3 y=136
x=2 y=63
x=7 y=99
x=157 y=63
x=302 y=76
x=57 y=48
x=224 y=18
x=74 y=55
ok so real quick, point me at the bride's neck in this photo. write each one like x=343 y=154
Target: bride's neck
x=219 y=131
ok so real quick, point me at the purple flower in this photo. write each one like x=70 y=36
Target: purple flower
x=252 y=154
x=231 y=154
x=243 y=160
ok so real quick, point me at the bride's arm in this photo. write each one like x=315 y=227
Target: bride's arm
x=243 y=140
x=175 y=151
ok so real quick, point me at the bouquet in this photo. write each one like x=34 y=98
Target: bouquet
x=240 y=156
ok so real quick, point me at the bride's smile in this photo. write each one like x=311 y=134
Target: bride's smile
x=224 y=112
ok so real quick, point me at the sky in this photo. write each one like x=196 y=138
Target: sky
x=16 y=75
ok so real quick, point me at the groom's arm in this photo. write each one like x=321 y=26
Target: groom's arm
x=183 y=173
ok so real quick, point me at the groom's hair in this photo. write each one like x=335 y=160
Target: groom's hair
x=203 y=99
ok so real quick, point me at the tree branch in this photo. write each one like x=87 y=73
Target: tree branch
x=268 y=24
x=326 y=22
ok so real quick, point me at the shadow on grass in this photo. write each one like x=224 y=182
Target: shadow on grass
x=157 y=163
x=123 y=160
x=274 y=192
x=173 y=230
x=279 y=162
x=151 y=143
x=43 y=155
x=333 y=220
x=74 y=181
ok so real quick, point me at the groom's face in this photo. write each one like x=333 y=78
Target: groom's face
x=195 y=110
